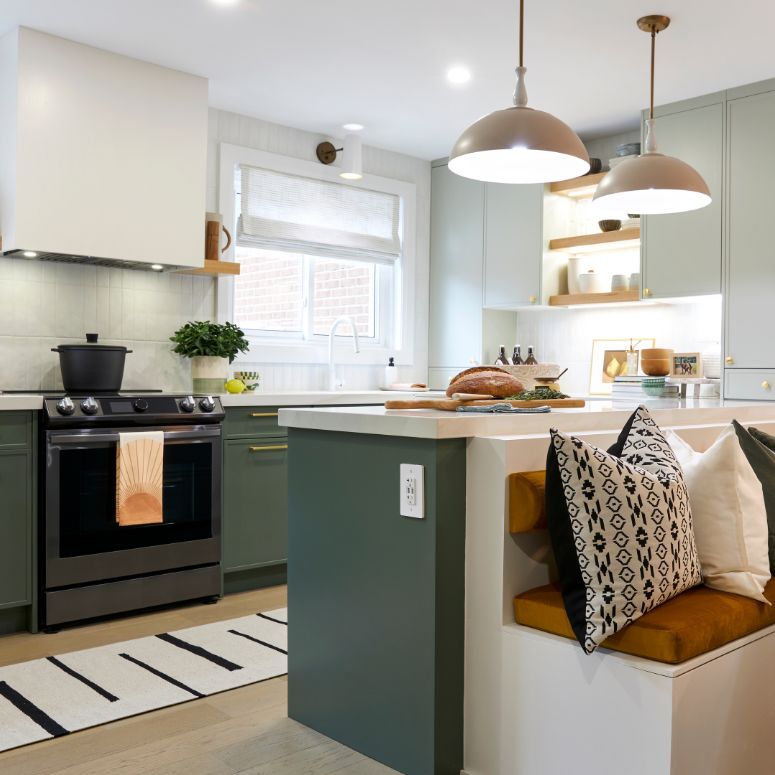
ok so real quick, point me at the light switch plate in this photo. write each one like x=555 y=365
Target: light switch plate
x=412 y=485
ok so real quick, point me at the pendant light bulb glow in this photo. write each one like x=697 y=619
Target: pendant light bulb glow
x=519 y=144
x=652 y=183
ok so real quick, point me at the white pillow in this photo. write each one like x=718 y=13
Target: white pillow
x=730 y=519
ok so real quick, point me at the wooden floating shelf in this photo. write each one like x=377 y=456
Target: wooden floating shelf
x=215 y=268
x=571 y=299
x=577 y=187
x=603 y=239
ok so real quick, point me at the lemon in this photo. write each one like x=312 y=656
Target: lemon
x=235 y=386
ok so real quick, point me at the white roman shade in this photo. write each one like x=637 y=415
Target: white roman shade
x=305 y=215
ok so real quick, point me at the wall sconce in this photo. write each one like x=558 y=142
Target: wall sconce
x=352 y=166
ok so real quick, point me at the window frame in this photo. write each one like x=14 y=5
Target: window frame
x=399 y=342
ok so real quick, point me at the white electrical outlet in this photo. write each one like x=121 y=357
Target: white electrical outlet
x=412 y=483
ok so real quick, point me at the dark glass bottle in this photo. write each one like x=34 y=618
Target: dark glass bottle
x=516 y=358
x=531 y=359
x=502 y=359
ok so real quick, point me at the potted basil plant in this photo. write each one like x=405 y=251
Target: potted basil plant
x=211 y=348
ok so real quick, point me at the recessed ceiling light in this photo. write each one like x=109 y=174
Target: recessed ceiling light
x=352 y=127
x=29 y=254
x=157 y=267
x=458 y=74
x=224 y=2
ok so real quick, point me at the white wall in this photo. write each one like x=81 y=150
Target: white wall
x=565 y=336
x=250 y=132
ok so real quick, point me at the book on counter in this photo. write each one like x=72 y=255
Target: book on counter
x=626 y=386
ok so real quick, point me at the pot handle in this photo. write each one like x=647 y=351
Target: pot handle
x=55 y=350
x=129 y=351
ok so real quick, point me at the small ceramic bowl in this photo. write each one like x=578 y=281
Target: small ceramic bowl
x=654 y=386
x=609 y=225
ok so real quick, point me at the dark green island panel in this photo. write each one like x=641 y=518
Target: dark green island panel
x=376 y=600
x=18 y=524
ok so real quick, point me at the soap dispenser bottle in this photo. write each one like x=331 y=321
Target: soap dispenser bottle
x=390 y=374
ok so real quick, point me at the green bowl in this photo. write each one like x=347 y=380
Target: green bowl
x=654 y=387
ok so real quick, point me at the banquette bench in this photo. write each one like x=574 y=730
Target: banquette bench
x=694 y=623
x=688 y=689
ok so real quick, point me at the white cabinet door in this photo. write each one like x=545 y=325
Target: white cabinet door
x=457 y=234
x=750 y=278
x=513 y=248
x=682 y=251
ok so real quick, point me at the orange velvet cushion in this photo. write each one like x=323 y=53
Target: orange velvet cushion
x=696 y=621
x=526 y=501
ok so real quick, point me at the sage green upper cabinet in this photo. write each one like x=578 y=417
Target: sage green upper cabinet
x=751 y=263
x=682 y=252
x=513 y=245
x=457 y=244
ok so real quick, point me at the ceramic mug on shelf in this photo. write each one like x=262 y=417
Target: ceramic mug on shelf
x=635 y=281
x=592 y=282
x=620 y=282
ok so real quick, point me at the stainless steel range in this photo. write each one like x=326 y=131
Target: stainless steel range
x=90 y=564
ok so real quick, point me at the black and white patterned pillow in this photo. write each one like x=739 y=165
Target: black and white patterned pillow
x=621 y=527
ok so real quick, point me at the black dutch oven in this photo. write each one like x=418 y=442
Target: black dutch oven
x=91 y=367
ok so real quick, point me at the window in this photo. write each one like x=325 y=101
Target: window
x=296 y=294
x=313 y=249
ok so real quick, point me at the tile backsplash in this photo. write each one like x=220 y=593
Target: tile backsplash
x=44 y=304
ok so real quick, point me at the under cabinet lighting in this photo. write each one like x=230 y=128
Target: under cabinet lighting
x=29 y=254
x=157 y=267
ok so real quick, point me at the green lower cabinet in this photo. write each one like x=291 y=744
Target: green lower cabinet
x=255 y=503
x=15 y=529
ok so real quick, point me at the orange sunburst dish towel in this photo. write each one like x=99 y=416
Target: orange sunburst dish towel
x=139 y=478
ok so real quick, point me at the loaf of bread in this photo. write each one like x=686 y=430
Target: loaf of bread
x=485 y=381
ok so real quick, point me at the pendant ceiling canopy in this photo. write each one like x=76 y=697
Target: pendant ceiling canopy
x=652 y=183
x=519 y=144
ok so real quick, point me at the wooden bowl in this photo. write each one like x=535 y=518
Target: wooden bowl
x=656 y=352
x=609 y=225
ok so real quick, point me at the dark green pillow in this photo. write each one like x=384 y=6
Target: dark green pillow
x=759 y=449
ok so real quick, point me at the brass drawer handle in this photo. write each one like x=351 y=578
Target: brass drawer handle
x=268 y=448
x=647 y=292
x=531 y=299
x=264 y=414
x=765 y=385
x=729 y=360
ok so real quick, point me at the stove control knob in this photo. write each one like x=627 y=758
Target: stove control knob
x=188 y=404
x=89 y=406
x=140 y=405
x=65 y=406
x=207 y=404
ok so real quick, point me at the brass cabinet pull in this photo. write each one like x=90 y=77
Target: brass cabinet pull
x=646 y=292
x=264 y=414
x=268 y=448
x=766 y=385
x=532 y=299
x=729 y=360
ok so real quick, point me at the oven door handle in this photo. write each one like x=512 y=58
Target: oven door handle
x=91 y=437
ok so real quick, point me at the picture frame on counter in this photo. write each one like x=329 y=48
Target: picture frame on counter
x=686 y=365
x=609 y=359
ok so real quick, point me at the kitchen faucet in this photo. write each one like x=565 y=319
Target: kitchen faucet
x=332 y=382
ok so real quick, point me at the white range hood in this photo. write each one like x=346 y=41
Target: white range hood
x=102 y=157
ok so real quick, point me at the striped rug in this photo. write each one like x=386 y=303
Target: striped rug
x=50 y=697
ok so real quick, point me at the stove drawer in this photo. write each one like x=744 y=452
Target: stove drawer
x=252 y=422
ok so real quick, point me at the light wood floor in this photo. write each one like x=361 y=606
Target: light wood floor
x=244 y=731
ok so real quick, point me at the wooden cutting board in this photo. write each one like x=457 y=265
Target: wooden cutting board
x=448 y=405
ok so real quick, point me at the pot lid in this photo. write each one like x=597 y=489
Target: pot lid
x=91 y=344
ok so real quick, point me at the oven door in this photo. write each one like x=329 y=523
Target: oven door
x=83 y=542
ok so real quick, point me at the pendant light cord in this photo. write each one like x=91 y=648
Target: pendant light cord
x=520 y=92
x=653 y=57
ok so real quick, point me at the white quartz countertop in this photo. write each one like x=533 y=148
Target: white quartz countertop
x=596 y=415
x=18 y=402
x=319 y=397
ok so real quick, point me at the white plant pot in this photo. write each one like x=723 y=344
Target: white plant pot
x=209 y=373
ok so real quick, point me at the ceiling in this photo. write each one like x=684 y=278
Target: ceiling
x=315 y=64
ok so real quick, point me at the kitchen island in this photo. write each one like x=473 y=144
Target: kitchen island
x=383 y=606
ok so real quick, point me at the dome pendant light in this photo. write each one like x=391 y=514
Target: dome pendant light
x=519 y=144
x=652 y=183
